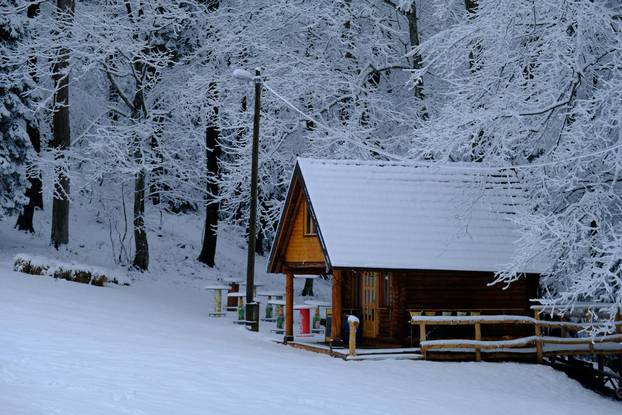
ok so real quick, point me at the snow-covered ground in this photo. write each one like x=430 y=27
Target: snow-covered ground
x=69 y=348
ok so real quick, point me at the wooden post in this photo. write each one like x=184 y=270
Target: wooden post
x=422 y=338
x=337 y=311
x=353 y=323
x=478 y=337
x=252 y=308
x=618 y=320
x=289 y=307
x=538 y=333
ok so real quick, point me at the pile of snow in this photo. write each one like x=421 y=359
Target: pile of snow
x=353 y=319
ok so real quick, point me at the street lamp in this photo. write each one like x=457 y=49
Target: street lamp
x=252 y=308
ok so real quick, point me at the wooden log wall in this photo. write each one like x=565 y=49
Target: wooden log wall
x=441 y=290
x=462 y=290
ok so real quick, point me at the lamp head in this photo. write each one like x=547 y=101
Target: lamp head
x=243 y=75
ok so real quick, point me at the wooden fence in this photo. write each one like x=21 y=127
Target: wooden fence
x=539 y=343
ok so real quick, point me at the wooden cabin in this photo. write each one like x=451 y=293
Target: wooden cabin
x=401 y=238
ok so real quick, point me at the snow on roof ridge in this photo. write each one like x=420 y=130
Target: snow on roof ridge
x=450 y=165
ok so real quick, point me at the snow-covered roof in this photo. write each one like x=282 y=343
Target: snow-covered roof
x=413 y=216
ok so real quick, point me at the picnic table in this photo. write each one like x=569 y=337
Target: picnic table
x=238 y=297
x=270 y=316
x=217 y=290
x=279 y=306
x=234 y=286
x=317 y=317
x=232 y=279
x=255 y=286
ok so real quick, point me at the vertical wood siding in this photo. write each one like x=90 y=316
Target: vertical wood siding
x=301 y=248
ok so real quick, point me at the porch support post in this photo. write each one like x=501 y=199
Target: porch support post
x=336 y=306
x=289 y=307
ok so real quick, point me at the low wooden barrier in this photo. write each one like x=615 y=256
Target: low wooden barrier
x=539 y=344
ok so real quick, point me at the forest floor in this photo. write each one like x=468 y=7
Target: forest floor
x=151 y=348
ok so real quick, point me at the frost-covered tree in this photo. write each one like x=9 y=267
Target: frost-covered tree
x=341 y=63
x=136 y=46
x=14 y=142
x=539 y=85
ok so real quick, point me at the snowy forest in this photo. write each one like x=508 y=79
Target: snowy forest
x=133 y=106
x=413 y=189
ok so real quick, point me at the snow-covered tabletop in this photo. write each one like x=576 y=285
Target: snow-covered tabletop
x=233 y=280
x=318 y=303
x=216 y=287
x=270 y=294
x=238 y=294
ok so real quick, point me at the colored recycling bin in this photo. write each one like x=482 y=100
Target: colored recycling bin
x=305 y=321
x=280 y=320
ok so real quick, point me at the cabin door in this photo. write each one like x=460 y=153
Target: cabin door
x=369 y=303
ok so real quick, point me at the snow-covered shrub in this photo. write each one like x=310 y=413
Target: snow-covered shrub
x=85 y=274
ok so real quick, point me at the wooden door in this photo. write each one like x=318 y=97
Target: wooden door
x=369 y=303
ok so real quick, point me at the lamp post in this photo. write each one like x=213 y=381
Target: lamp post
x=252 y=308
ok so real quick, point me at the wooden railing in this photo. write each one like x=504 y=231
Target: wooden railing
x=598 y=344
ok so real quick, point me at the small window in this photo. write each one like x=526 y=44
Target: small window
x=386 y=289
x=309 y=224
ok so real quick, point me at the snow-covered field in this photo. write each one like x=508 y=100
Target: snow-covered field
x=69 y=348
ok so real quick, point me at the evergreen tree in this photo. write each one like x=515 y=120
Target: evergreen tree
x=14 y=142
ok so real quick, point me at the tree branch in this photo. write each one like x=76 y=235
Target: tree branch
x=117 y=89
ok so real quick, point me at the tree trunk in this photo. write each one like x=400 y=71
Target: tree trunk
x=141 y=256
x=476 y=49
x=33 y=193
x=470 y=5
x=413 y=34
x=259 y=242
x=157 y=186
x=260 y=235
x=61 y=135
x=417 y=61
x=307 y=291
x=210 y=233
x=477 y=150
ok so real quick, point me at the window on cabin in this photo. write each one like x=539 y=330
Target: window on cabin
x=385 y=286
x=309 y=224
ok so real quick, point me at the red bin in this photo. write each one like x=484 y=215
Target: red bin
x=232 y=302
x=305 y=321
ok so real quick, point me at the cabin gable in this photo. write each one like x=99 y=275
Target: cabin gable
x=294 y=247
x=301 y=247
